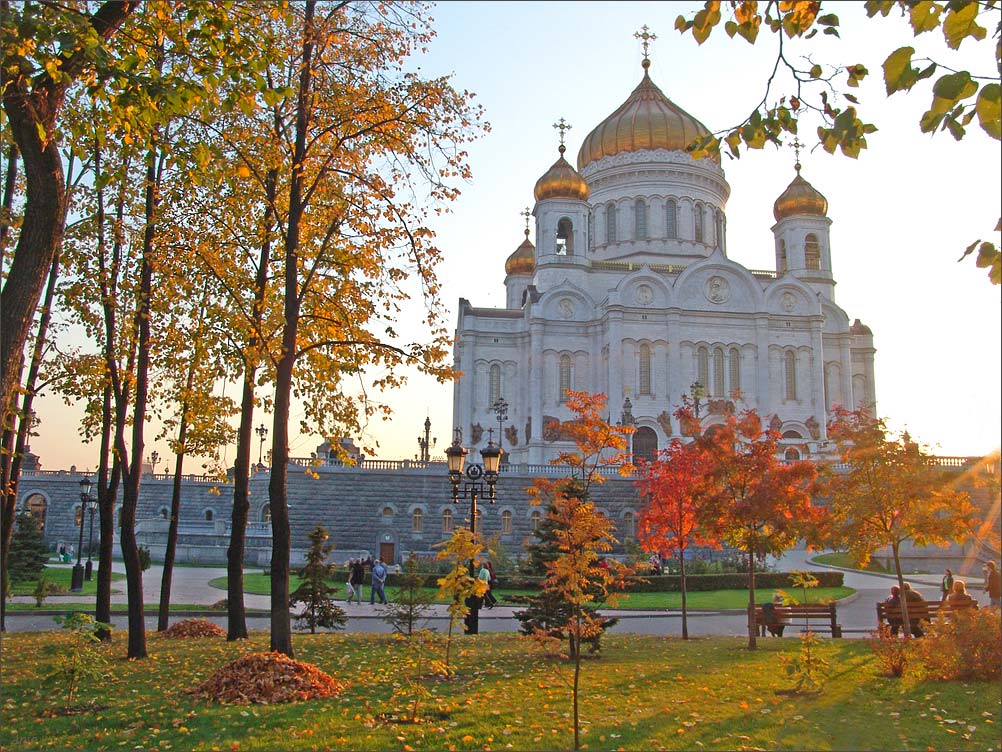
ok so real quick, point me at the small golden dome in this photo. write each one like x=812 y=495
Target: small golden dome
x=800 y=197
x=523 y=260
x=561 y=181
x=646 y=120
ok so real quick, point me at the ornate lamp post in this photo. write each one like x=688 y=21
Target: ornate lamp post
x=698 y=391
x=478 y=479
x=500 y=409
x=77 y=578
x=627 y=419
x=89 y=567
x=154 y=459
x=261 y=431
x=427 y=442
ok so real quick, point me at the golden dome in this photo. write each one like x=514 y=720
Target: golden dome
x=800 y=197
x=523 y=260
x=561 y=181
x=646 y=120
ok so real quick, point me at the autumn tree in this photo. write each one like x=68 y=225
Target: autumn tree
x=459 y=585
x=752 y=500
x=814 y=92
x=888 y=491
x=670 y=487
x=317 y=597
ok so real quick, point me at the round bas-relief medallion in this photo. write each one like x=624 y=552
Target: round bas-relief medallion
x=717 y=290
x=645 y=295
x=566 y=307
x=789 y=302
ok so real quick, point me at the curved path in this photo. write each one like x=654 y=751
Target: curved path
x=190 y=585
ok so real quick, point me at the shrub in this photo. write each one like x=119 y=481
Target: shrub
x=891 y=650
x=968 y=646
x=145 y=560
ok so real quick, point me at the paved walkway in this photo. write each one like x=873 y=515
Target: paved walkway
x=190 y=585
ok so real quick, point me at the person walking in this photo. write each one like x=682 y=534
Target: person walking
x=378 y=582
x=947 y=585
x=349 y=588
x=993 y=585
x=356 y=578
x=485 y=575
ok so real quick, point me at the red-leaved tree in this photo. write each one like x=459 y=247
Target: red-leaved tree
x=753 y=500
x=670 y=521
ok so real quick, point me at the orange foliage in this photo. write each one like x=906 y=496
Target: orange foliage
x=193 y=628
x=266 y=678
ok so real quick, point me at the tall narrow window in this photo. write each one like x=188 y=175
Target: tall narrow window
x=610 y=223
x=495 y=385
x=447 y=521
x=718 y=229
x=781 y=256
x=534 y=519
x=640 y=219
x=565 y=237
x=565 y=377
x=591 y=232
x=718 y=372
x=735 y=369
x=791 y=375
x=703 y=366
x=417 y=521
x=812 y=252
x=697 y=222
x=644 y=380
x=671 y=220
x=506 y=522
x=629 y=525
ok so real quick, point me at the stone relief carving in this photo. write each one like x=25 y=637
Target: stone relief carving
x=813 y=427
x=551 y=428
x=566 y=307
x=646 y=156
x=645 y=295
x=511 y=434
x=528 y=429
x=664 y=420
x=775 y=424
x=717 y=290
x=720 y=407
x=789 y=302
x=476 y=433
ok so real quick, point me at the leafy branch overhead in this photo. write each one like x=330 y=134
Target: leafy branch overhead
x=959 y=96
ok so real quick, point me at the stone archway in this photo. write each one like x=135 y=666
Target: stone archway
x=645 y=444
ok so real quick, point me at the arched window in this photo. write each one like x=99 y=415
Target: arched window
x=387 y=511
x=812 y=252
x=565 y=377
x=610 y=223
x=735 y=369
x=792 y=455
x=209 y=515
x=671 y=221
x=697 y=222
x=629 y=525
x=37 y=507
x=495 y=385
x=718 y=229
x=781 y=256
x=640 y=219
x=565 y=237
x=791 y=434
x=506 y=522
x=791 y=375
x=645 y=444
x=645 y=369
x=163 y=513
x=534 y=519
x=447 y=521
x=417 y=521
x=266 y=513
x=718 y=372
x=703 y=366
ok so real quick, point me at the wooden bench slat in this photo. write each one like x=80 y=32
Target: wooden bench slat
x=804 y=611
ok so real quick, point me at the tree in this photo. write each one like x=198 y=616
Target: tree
x=888 y=491
x=28 y=551
x=670 y=519
x=458 y=585
x=317 y=597
x=411 y=602
x=958 y=95
x=752 y=500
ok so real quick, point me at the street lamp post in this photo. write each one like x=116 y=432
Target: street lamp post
x=154 y=459
x=77 y=578
x=500 y=409
x=261 y=431
x=478 y=479
x=427 y=442
x=89 y=568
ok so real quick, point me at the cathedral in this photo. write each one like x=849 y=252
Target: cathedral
x=629 y=291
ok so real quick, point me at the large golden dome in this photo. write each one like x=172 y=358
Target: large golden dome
x=523 y=260
x=800 y=197
x=561 y=181
x=646 y=120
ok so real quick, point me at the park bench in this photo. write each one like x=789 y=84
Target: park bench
x=818 y=617
x=920 y=611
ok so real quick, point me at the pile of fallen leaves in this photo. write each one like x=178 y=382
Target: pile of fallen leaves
x=266 y=678
x=194 y=628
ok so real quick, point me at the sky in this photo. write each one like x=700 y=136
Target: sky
x=902 y=213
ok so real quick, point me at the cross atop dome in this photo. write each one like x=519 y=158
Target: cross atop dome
x=526 y=213
x=646 y=38
x=563 y=126
x=796 y=152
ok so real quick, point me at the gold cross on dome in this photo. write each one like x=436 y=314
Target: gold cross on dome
x=796 y=151
x=562 y=126
x=647 y=38
x=526 y=214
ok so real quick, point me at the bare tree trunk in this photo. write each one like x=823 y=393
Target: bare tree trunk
x=752 y=629
x=163 y=615
x=681 y=570
x=236 y=611
x=906 y=623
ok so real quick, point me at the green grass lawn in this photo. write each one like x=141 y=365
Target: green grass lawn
x=61 y=577
x=713 y=600
x=509 y=692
